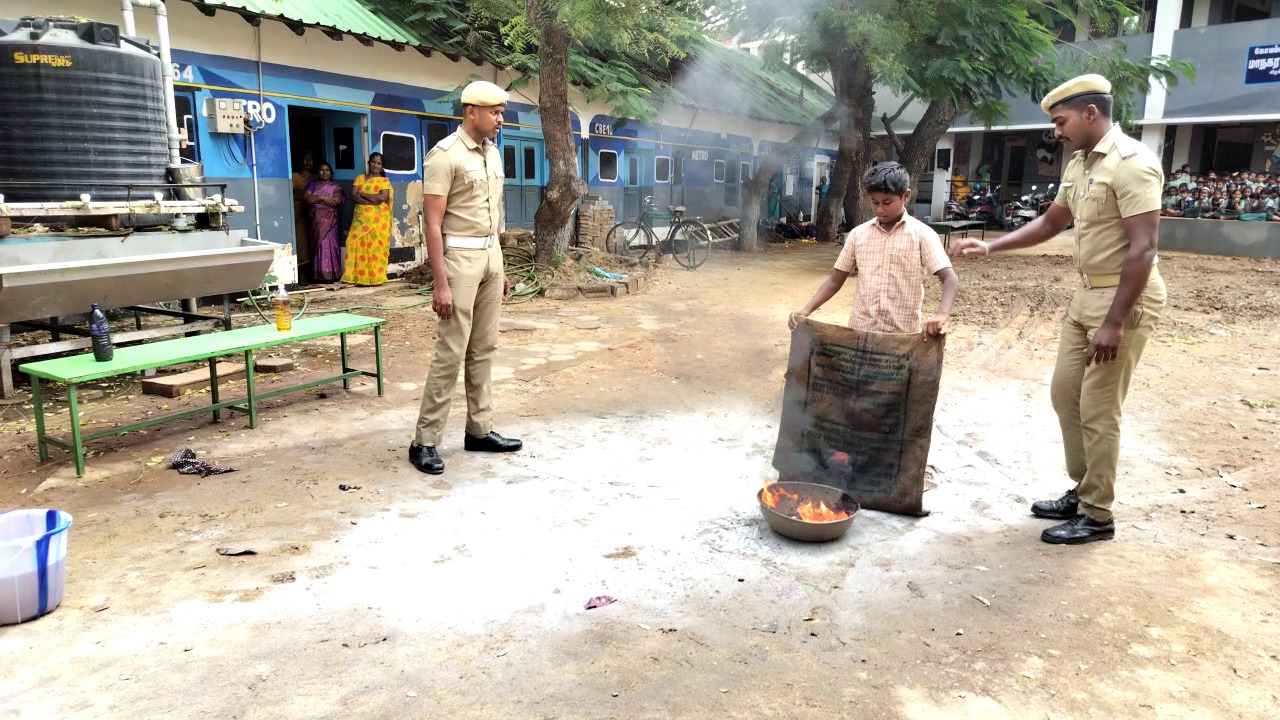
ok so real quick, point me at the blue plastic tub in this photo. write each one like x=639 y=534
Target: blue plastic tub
x=33 y=563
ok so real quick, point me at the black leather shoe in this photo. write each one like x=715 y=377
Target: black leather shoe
x=1064 y=508
x=493 y=442
x=426 y=459
x=1079 y=529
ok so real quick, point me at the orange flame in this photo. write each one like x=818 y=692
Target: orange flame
x=806 y=509
x=771 y=494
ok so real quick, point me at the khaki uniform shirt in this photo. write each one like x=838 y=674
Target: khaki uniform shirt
x=470 y=176
x=1119 y=178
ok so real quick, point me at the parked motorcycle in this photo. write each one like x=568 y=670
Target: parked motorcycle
x=990 y=209
x=953 y=210
x=1022 y=211
x=1046 y=199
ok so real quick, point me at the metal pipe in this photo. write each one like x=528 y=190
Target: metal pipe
x=253 y=145
x=253 y=169
x=126 y=8
x=166 y=59
x=6 y=360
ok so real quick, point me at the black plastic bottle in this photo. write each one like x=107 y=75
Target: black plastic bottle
x=100 y=332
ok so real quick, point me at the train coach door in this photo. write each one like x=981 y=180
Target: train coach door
x=639 y=180
x=731 y=182
x=532 y=179
x=344 y=139
x=524 y=168
x=821 y=171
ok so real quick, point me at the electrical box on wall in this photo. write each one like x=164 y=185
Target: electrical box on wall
x=226 y=115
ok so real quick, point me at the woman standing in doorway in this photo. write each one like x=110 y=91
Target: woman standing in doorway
x=324 y=198
x=369 y=240
x=775 y=203
x=301 y=178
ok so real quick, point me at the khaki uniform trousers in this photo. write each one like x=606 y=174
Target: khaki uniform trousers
x=1088 y=401
x=475 y=278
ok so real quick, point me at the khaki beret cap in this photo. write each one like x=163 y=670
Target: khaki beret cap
x=1075 y=87
x=484 y=94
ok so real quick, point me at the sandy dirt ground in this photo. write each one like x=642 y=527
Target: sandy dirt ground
x=649 y=423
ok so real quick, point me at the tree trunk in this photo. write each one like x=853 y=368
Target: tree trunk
x=755 y=189
x=841 y=180
x=551 y=224
x=914 y=152
x=853 y=80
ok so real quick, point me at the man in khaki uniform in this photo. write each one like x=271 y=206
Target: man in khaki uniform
x=1111 y=190
x=462 y=204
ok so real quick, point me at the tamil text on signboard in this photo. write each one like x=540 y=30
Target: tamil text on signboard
x=1262 y=64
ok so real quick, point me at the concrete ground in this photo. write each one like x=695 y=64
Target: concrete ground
x=649 y=423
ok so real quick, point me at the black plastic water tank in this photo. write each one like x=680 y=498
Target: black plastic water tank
x=80 y=106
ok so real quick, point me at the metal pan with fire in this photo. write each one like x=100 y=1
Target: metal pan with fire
x=806 y=511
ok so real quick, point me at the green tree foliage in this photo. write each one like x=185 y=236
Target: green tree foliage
x=951 y=56
x=617 y=51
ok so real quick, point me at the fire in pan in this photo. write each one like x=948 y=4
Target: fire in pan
x=806 y=511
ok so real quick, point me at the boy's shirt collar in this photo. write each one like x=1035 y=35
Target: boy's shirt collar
x=893 y=225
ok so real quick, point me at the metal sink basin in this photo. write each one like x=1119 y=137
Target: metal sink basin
x=43 y=277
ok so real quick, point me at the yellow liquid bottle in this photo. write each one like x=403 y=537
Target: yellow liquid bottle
x=284 y=310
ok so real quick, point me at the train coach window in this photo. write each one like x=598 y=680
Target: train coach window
x=608 y=166
x=509 y=161
x=719 y=171
x=662 y=169
x=530 y=163
x=436 y=131
x=744 y=171
x=344 y=148
x=399 y=153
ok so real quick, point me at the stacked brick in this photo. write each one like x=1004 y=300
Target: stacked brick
x=595 y=218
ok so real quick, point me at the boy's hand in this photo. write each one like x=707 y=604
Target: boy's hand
x=969 y=246
x=793 y=322
x=936 y=325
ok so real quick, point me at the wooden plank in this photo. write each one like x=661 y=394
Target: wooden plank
x=177 y=384
x=144 y=207
x=53 y=348
x=724 y=231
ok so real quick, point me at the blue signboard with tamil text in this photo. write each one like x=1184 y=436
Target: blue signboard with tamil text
x=1262 y=64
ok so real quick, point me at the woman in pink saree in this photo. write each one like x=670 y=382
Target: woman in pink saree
x=324 y=200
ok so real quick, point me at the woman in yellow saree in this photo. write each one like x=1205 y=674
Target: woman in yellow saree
x=369 y=239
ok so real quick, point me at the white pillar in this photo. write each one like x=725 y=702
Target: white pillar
x=1084 y=22
x=1200 y=13
x=1153 y=137
x=1168 y=15
x=941 y=177
x=1182 y=146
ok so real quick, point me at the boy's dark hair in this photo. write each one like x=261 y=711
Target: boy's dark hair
x=887 y=177
x=1102 y=101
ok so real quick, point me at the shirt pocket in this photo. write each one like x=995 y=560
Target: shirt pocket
x=473 y=177
x=1096 y=198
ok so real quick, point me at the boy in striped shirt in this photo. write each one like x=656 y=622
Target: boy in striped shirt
x=893 y=253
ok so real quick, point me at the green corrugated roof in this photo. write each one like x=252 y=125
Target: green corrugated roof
x=442 y=26
x=710 y=77
x=349 y=16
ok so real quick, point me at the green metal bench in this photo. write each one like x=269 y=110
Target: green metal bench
x=83 y=368
x=947 y=228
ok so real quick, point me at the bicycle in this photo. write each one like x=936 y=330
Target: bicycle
x=688 y=241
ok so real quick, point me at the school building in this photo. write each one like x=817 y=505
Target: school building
x=1228 y=119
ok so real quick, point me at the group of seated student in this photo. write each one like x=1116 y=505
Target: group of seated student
x=1242 y=195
